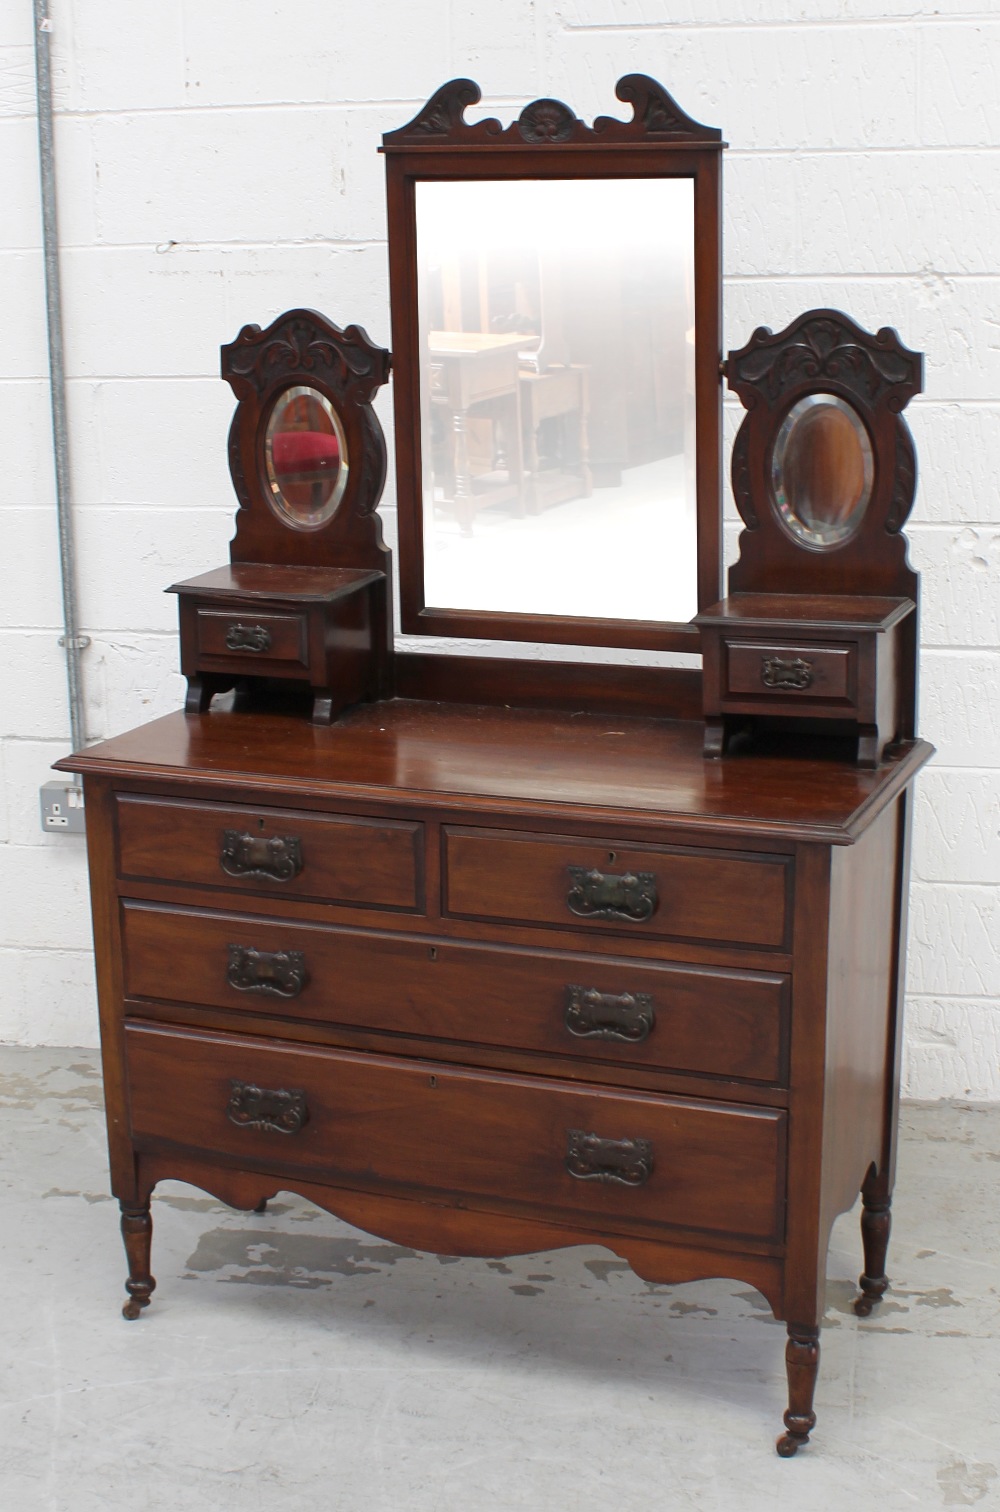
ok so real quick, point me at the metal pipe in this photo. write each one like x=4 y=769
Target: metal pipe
x=71 y=638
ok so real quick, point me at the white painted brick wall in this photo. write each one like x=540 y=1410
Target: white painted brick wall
x=217 y=165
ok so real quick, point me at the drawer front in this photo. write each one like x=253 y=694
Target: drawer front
x=251 y=637
x=600 y=884
x=375 y=862
x=763 y=669
x=375 y=1123
x=729 y=1024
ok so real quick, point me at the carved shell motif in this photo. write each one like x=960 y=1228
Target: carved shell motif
x=546 y=121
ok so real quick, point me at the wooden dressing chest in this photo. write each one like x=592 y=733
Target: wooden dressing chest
x=489 y=956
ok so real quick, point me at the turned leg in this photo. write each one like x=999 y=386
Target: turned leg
x=261 y=1206
x=876 y=1222
x=802 y=1365
x=137 y=1232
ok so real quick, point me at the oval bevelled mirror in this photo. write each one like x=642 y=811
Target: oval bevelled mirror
x=305 y=458
x=822 y=470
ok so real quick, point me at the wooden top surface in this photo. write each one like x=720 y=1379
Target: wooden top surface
x=807 y=611
x=267 y=580
x=466 y=343
x=502 y=760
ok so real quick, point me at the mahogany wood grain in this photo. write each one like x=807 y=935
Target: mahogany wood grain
x=699 y=895
x=101 y=860
x=349 y=860
x=859 y=1000
x=759 y=662
x=549 y=764
x=638 y=1075
x=577 y=687
x=439 y=1228
x=722 y=1024
x=287 y=636
x=395 y=1125
x=832 y=670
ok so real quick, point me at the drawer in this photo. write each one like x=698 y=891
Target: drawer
x=765 y=669
x=374 y=862
x=269 y=639
x=729 y=1024
x=632 y=1163
x=588 y=884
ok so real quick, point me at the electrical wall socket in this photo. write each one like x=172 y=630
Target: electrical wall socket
x=62 y=808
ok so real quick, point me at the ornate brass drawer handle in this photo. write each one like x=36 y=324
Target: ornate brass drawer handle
x=786 y=672
x=626 y=1016
x=276 y=857
x=591 y=1158
x=601 y=895
x=254 y=638
x=280 y=1111
x=275 y=973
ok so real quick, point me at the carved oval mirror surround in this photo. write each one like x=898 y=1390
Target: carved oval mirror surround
x=822 y=471
x=305 y=458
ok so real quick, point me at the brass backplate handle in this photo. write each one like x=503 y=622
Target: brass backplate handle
x=591 y=1014
x=792 y=672
x=589 y=1157
x=274 y=973
x=604 y=895
x=276 y=858
x=255 y=638
x=280 y=1110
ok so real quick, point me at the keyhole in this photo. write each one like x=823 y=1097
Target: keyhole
x=260 y=823
x=432 y=1081
x=612 y=857
x=433 y=953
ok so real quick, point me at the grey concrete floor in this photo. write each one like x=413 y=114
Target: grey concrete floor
x=288 y=1361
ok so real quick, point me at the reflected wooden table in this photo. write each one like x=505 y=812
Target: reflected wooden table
x=558 y=394
x=474 y=374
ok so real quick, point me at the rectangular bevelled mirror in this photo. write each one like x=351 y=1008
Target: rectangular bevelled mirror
x=555 y=292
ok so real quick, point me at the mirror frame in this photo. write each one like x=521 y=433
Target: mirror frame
x=302 y=349
x=548 y=141
x=824 y=352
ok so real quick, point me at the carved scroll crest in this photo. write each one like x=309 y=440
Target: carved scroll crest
x=656 y=116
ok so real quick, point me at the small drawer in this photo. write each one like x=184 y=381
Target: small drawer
x=767 y=670
x=636 y=1164
x=267 y=639
x=603 y=884
x=328 y=858
x=710 y=1022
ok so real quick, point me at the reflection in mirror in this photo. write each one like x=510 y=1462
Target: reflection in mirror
x=822 y=470
x=557 y=396
x=305 y=457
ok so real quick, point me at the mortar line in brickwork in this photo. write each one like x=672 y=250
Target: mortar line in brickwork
x=496 y=103
x=954 y=997
x=304 y=244
x=941 y=767
x=915 y=275
x=884 y=149
x=829 y=23
x=962 y=650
